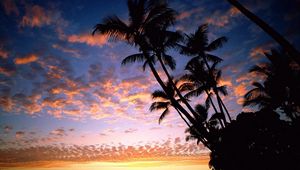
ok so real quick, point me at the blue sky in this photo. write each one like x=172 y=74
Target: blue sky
x=61 y=86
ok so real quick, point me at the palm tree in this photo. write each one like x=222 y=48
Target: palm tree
x=280 y=88
x=164 y=102
x=160 y=42
x=144 y=17
x=269 y=30
x=201 y=81
x=197 y=45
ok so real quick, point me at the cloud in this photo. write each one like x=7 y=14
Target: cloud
x=96 y=40
x=58 y=132
x=74 y=52
x=36 y=16
x=10 y=7
x=27 y=59
x=19 y=134
x=168 y=149
x=257 y=52
x=220 y=18
x=130 y=130
x=186 y=14
x=3 y=53
x=7 y=128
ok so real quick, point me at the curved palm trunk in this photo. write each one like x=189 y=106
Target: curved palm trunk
x=269 y=30
x=174 y=86
x=203 y=137
x=219 y=100
x=161 y=83
x=214 y=107
x=187 y=123
x=226 y=111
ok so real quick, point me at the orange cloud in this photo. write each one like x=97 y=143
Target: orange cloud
x=36 y=16
x=241 y=89
x=222 y=19
x=96 y=40
x=3 y=53
x=27 y=59
x=257 y=52
x=10 y=7
x=169 y=149
x=74 y=52
x=233 y=11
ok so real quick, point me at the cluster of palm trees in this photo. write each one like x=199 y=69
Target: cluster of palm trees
x=148 y=30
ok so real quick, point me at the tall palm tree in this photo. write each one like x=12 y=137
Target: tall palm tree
x=144 y=17
x=164 y=102
x=203 y=81
x=280 y=88
x=269 y=30
x=197 y=44
x=160 y=42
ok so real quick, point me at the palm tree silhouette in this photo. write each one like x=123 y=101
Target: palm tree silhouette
x=280 y=88
x=269 y=30
x=164 y=102
x=160 y=41
x=197 y=45
x=203 y=81
x=144 y=18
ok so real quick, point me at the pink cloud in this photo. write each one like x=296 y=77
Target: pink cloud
x=96 y=40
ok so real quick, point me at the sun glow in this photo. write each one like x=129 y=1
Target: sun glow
x=163 y=164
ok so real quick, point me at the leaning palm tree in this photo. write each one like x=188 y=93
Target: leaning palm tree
x=164 y=102
x=160 y=41
x=269 y=30
x=197 y=44
x=144 y=17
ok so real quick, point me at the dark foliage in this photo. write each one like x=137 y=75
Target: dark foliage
x=258 y=141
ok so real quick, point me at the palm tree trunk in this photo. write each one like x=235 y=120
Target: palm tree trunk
x=230 y=120
x=214 y=107
x=217 y=94
x=174 y=86
x=203 y=137
x=161 y=83
x=269 y=30
x=187 y=123
x=203 y=140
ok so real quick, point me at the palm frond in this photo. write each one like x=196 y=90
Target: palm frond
x=163 y=115
x=159 y=105
x=169 y=61
x=159 y=94
x=213 y=58
x=194 y=93
x=137 y=12
x=115 y=28
x=186 y=87
x=134 y=58
x=222 y=90
x=217 y=43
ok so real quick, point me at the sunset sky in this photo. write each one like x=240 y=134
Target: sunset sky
x=65 y=96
